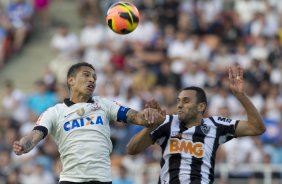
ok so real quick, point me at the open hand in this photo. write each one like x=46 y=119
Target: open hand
x=236 y=80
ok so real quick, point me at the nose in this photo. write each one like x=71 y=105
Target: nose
x=91 y=79
x=179 y=105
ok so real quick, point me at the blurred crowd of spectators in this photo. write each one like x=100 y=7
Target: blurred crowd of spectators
x=17 y=22
x=178 y=43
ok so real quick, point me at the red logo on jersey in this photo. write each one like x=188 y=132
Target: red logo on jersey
x=39 y=119
x=186 y=146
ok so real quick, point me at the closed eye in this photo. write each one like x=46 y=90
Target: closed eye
x=184 y=100
x=86 y=74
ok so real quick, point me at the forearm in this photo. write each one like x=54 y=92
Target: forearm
x=147 y=117
x=31 y=140
x=254 y=118
x=140 y=141
x=136 y=117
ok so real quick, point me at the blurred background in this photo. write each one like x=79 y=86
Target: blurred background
x=178 y=43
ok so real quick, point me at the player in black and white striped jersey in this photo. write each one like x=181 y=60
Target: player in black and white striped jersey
x=189 y=141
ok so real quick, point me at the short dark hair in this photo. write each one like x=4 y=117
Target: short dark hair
x=75 y=68
x=200 y=94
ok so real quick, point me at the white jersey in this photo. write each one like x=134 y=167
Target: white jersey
x=82 y=133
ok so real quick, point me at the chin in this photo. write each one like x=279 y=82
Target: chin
x=180 y=118
x=90 y=94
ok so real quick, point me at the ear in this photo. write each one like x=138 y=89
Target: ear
x=202 y=107
x=70 y=81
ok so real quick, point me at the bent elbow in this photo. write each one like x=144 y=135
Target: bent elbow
x=263 y=130
x=260 y=131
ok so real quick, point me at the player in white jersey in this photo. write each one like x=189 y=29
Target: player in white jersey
x=80 y=128
x=189 y=141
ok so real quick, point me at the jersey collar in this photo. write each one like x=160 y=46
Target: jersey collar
x=69 y=103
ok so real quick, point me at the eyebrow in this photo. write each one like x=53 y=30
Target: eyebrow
x=85 y=71
x=94 y=75
x=184 y=98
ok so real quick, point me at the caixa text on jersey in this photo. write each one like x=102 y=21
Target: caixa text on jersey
x=86 y=121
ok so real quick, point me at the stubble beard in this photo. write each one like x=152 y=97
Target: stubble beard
x=190 y=117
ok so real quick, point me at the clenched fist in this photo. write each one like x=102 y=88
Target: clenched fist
x=18 y=148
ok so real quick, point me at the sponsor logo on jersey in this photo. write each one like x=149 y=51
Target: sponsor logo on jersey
x=224 y=119
x=186 y=146
x=82 y=122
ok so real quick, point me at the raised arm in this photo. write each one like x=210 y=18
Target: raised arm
x=254 y=124
x=28 y=142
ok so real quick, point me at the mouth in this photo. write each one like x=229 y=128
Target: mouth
x=90 y=87
x=179 y=112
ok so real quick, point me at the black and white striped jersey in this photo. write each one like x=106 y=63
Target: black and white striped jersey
x=189 y=153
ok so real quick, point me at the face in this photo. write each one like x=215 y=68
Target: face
x=84 y=82
x=187 y=107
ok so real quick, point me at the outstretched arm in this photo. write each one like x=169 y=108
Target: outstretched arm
x=28 y=142
x=147 y=117
x=254 y=125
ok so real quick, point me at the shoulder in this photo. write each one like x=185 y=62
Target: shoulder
x=49 y=114
x=100 y=99
x=55 y=108
x=169 y=120
x=96 y=98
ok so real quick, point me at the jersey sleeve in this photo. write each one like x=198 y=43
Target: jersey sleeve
x=226 y=128
x=161 y=132
x=115 y=111
x=46 y=119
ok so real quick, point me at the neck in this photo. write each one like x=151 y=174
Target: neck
x=76 y=98
x=193 y=122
